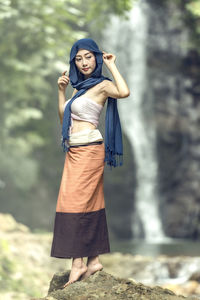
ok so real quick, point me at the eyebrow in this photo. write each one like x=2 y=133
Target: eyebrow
x=84 y=54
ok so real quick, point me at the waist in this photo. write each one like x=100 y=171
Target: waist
x=88 y=144
x=85 y=136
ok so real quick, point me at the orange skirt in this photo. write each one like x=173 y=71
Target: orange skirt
x=80 y=226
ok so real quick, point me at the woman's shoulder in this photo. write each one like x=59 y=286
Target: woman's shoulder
x=107 y=86
x=102 y=85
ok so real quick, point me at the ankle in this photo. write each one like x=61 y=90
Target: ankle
x=93 y=260
x=77 y=262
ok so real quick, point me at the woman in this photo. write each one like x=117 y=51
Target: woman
x=80 y=228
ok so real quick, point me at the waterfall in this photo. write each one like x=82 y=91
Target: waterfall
x=128 y=40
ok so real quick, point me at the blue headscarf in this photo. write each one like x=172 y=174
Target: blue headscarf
x=113 y=135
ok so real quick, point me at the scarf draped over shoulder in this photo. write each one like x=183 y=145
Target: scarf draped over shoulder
x=113 y=135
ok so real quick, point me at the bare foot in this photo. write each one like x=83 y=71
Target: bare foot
x=75 y=274
x=91 y=269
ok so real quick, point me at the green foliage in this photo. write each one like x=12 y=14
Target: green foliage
x=10 y=271
x=99 y=13
x=192 y=21
x=194 y=7
x=7 y=267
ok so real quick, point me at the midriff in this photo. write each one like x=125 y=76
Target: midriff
x=81 y=125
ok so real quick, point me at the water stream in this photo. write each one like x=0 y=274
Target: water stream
x=128 y=40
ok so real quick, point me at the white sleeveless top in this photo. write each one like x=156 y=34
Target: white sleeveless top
x=85 y=109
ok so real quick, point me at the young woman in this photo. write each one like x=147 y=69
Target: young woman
x=80 y=228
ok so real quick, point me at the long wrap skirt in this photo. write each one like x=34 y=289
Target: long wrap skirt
x=80 y=226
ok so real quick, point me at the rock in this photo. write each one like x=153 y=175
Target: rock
x=195 y=276
x=189 y=288
x=9 y=224
x=102 y=285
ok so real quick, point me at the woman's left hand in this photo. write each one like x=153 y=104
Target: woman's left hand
x=108 y=58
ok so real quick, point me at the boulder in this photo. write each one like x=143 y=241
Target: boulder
x=102 y=285
x=9 y=224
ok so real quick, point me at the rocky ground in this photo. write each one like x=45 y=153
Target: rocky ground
x=26 y=268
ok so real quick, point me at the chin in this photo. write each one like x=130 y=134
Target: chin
x=87 y=74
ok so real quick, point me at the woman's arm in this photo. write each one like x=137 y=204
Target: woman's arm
x=120 y=88
x=63 y=82
x=61 y=102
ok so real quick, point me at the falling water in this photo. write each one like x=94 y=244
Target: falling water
x=128 y=40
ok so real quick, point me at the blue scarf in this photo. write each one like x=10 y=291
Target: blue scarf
x=113 y=136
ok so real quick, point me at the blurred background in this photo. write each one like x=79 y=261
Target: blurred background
x=153 y=200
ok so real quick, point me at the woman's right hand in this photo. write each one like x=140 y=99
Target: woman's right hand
x=63 y=81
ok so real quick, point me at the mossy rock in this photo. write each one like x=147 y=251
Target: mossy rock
x=102 y=285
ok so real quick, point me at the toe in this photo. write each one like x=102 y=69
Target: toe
x=67 y=283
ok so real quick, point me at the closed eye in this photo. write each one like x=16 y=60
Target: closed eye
x=78 y=59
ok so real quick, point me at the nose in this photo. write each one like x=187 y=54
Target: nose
x=84 y=62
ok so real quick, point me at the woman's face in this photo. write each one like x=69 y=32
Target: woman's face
x=85 y=62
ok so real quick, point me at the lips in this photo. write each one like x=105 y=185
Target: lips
x=85 y=69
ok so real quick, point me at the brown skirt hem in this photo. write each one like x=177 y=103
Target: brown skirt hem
x=78 y=255
x=80 y=234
